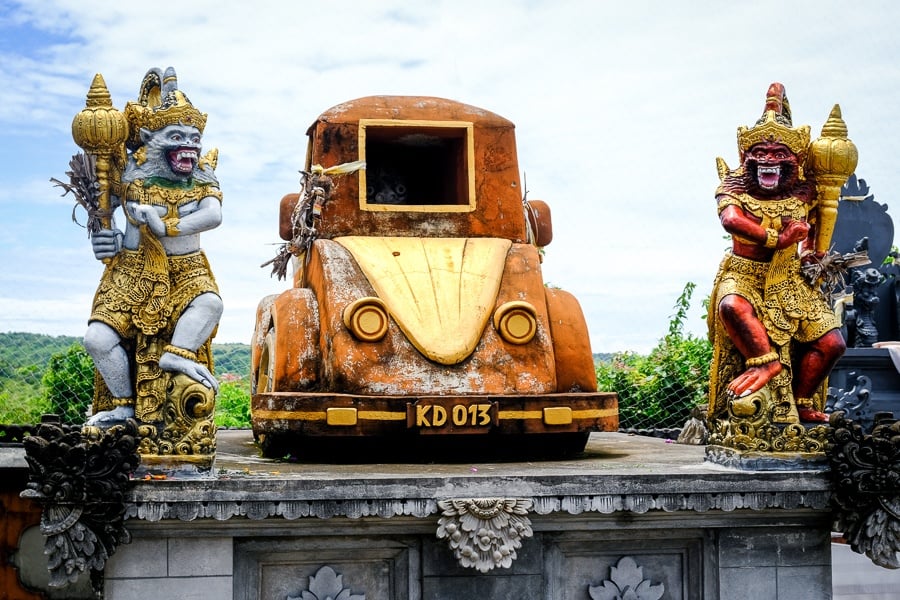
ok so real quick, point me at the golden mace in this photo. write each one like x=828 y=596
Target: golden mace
x=100 y=130
x=832 y=159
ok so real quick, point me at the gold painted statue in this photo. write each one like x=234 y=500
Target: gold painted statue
x=157 y=305
x=774 y=333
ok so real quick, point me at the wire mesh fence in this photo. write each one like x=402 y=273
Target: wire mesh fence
x=43 y=374
x=657 y=392
x=24 y=359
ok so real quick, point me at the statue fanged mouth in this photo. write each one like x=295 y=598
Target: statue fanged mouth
x=183 y=160
x=768 y=177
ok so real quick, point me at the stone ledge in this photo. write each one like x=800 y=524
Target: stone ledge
x=421 y=508
x=618 y=473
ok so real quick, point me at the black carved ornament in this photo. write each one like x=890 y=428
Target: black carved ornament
x=80 y=483
x=866 y=476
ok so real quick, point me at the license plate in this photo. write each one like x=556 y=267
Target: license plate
x=435 y=415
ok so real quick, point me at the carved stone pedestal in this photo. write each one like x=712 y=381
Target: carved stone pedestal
x=766 y=461
x=632 y=515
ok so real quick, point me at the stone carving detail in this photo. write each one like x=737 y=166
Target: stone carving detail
x=626 y=582
x=188 y=429
x=752 y=427
x=327 y=584
x=854 y=403
x=866 y=472
x=80 y=483
x=865 y=301
x=150 y=509
x=13 y=435
x=485 y=532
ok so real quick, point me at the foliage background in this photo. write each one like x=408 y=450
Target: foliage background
x=41 y=374
x=657 y=391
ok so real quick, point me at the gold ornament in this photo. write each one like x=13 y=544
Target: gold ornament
x=100 y=130
x=832 y=159
x=769 y=129
x=160 y=103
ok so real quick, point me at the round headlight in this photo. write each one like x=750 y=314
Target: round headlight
x=367 y=319
x=516 y=322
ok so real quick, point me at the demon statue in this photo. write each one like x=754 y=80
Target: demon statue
x=157 y=305
x=774 y=333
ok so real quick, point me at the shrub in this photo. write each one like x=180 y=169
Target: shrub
x=659 y=390
x=69 y=384
x=233 y=404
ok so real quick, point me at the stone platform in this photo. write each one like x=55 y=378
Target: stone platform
x=631 y=511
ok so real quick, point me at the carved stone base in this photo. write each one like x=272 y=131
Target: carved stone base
x=184 y=442
x=183 y=467
x=80 y=483
x=485 y=533
x=866 y=500
x=766 y=461
x=757 y=423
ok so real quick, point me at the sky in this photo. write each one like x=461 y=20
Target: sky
x=621 y=109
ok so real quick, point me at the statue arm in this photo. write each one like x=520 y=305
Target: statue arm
x=145 y=214
x=808 y=245
x=207 y=216
x=738 y=223
x=107 y=242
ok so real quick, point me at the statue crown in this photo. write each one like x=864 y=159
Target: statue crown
x=160 y=103
x=775 y=126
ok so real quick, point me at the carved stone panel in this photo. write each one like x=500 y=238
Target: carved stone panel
x=303 y=567
x=327 y=584
x=626 y=579
x=581 y=565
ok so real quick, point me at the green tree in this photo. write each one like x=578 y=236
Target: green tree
x=21 y=404
x=233 y=404
x=660 y=389
x=41 y=374
x=69 y=383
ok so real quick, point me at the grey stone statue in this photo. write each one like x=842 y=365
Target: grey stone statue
x=157 y=305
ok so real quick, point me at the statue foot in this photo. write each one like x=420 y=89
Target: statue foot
x=179 y=364
x=108 y=418
x=810 y=415
x=754 y=378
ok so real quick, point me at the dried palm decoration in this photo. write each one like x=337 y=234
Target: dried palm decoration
x=85 y=187
x=832 y=270
x=316 y=189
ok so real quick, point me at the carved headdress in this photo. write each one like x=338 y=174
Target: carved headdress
x=775 y=126
x=160 y=103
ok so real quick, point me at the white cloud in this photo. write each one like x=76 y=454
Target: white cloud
x=621 y=109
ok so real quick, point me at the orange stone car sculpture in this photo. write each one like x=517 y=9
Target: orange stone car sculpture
x=418 y=311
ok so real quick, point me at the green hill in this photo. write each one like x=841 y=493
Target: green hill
x=25 y=358
x=30 y=352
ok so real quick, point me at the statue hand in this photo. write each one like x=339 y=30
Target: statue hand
x=147 y=215
x=106 y=243
x=793 y=233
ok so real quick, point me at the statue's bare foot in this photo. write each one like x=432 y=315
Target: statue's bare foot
x=754 y=378
x=108 y=418
x=194 y=370
x=810 y=415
